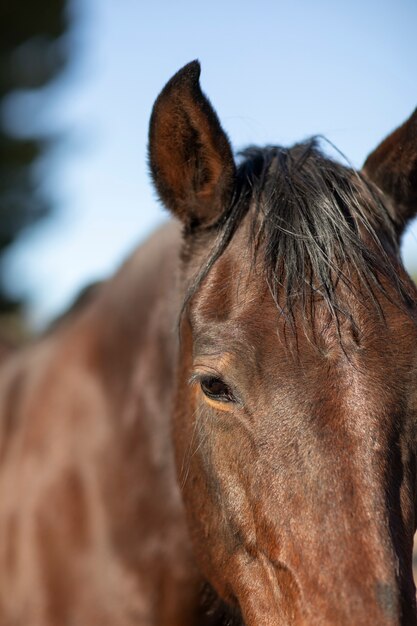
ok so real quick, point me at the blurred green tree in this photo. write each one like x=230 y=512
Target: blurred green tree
x=31 y=56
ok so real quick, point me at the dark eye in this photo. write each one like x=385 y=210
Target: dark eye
x=216 y=389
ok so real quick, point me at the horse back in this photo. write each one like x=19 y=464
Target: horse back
x=91 y=522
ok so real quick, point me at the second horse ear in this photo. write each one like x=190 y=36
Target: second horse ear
x=190 y=157
x=393 y=167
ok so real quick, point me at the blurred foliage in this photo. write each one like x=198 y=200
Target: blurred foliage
x=31 y=55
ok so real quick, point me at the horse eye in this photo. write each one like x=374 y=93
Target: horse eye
x=216 y=389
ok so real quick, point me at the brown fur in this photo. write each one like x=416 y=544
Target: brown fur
x=299 y=492
x=91 y=523
x=393 y=167
x=198 y=183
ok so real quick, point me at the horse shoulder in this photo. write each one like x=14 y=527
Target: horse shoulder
x=86 y=465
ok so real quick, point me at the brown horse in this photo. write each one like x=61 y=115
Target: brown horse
x=278 y=333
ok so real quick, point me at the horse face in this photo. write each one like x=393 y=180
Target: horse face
x=295 y=415
x=296 y=455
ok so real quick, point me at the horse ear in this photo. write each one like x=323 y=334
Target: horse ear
x=393 y=168
x=190 y=156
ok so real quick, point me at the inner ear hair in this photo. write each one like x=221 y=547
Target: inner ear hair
x=190 y=156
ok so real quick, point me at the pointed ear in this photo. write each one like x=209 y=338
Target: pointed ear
x=393 y=168
x=190 y=156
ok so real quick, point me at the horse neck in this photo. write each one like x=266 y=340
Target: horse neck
x=134 y=319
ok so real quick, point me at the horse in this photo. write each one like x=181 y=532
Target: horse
x=225 y=432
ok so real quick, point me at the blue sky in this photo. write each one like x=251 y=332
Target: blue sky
x=276 y=72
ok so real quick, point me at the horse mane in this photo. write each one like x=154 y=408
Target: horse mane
x=316 y=224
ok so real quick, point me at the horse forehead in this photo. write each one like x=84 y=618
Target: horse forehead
x=235 y=304
x=233 y=285
x=237 y=286
x=236 y=314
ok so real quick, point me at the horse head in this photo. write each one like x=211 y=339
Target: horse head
x=296 y=403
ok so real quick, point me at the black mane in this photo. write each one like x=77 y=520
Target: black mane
x=316 y=223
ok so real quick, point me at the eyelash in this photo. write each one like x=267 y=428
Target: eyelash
x=215 y=388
